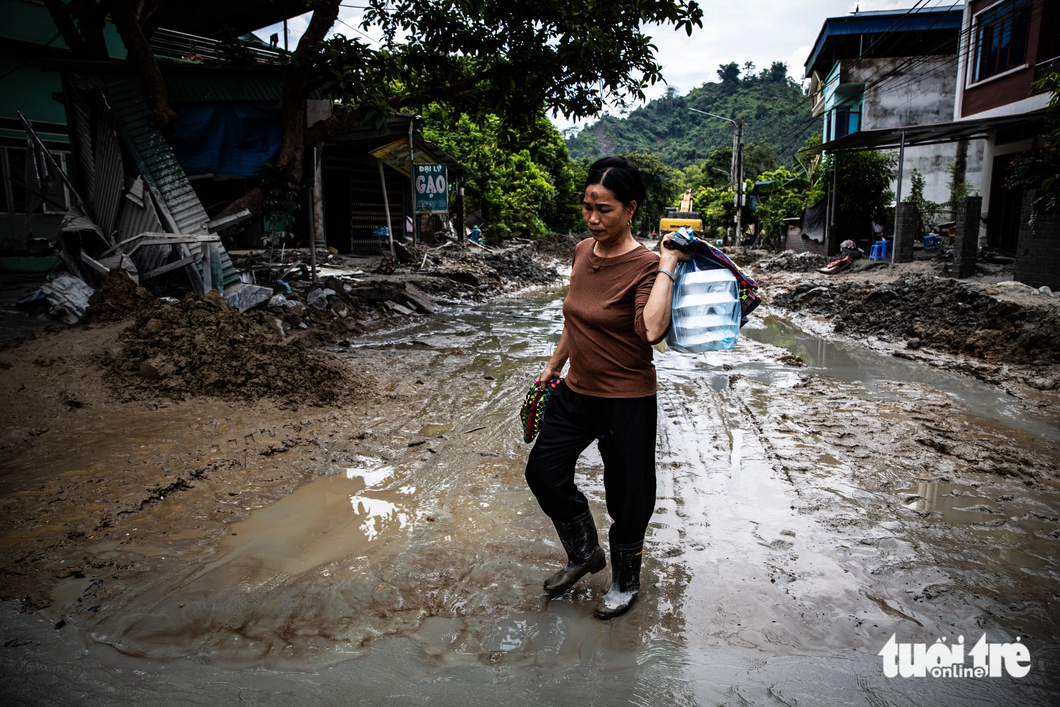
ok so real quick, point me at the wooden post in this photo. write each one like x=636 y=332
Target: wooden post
x=386 y=206
x=898 y=199
x=207 y=267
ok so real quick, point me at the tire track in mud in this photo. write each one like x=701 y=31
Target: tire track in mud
x=911 y=562
x=780 y=522
x=731 y=502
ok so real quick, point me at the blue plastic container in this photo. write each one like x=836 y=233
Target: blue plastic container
x=705 y=310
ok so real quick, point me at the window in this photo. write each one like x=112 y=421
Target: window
x=845 y=121
x=1001 y=38
x=13 y=194
x=13 y=163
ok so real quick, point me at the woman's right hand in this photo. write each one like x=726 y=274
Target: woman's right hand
x=548 y=374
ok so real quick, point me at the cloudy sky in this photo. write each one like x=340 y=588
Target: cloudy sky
x=760 y=32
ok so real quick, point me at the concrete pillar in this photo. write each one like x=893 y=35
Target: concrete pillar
x=1038 y=248
x=905 y=220
x=966 y=246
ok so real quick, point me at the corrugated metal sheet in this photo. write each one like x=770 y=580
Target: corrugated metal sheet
x=138 y=216
x=206 y=88
x=170 y=202
x=180 y=207
x=109 y=170
x=229 y=274
x=81 y=136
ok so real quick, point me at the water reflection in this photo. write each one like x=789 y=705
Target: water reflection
x=855 y=363
x=465 y=589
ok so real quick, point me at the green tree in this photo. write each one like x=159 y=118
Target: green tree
x=662 y=185
x=758 y=159
x=928 y=211
x=959 y=188
x=863 y=189
x=505 y=183
x=778 y=72
x=729 y=73
x=716 y=207
x=784 y=198
x=1040 y=169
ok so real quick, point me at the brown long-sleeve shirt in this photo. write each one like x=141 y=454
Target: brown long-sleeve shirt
x=610 y=354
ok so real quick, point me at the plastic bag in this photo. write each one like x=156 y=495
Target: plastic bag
x=705 y=309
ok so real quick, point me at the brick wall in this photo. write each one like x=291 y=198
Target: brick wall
x=1038 y=247
x=966 y=244
x=905 y=221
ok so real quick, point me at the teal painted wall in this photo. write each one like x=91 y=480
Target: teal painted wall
x=837 y=95
x=29 y=22
x=24 y=87
x=28 y=89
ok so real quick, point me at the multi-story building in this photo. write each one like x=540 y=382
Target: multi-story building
x=886 y=69
x=1006 y=45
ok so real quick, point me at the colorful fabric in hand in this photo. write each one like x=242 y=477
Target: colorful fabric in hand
x=705 y=252
x=533 y=410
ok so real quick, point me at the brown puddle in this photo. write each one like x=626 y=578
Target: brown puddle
x=801 y=520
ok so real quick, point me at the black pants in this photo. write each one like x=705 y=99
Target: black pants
x=625 y=430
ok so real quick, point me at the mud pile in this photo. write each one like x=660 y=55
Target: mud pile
x=559 y=245
x=942 y=313
x=200 y=346
x=118 y=298
x=790 y=261
x=740 y=255
x=518 y=264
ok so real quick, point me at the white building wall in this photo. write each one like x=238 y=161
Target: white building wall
x=917 y=91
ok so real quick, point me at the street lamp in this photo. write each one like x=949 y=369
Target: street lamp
x=736 y=175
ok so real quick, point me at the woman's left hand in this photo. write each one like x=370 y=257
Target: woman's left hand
x=671 y=256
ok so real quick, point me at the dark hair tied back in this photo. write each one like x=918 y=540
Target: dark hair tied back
x=619 y=176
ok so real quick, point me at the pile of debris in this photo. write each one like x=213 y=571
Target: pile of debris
x=942 y=313
x=559 y=245
x=518 y=265
x=118 y=298
x=790 y=261
x=201 y=346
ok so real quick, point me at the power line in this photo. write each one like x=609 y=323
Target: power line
x=910 y=64
x=372 y=39
x=865 y=54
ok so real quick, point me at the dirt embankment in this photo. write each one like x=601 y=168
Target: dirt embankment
x=998 y=324
x=147 y=399
x=938 y=312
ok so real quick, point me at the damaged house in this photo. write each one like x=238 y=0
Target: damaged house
x=1003 y=48
x=85 y=170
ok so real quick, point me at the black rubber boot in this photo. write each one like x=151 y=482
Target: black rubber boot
x=584 y=554
x=625 y=580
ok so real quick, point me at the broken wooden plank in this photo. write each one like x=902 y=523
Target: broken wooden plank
x=227 y=221
x=420 y=298
x=189 y=260
x=93 y=263
x=398 y=308
x=207 y=266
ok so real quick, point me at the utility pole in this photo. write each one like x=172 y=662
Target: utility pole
x=739 y=181
x=736 y=175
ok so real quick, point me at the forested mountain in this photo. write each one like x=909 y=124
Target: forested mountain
x=772 y=106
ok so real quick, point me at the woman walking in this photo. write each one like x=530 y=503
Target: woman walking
x=618 y=305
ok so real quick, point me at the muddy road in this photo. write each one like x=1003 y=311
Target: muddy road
x=815 y=498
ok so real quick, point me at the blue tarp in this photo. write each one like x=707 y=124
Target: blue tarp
x=224 y=139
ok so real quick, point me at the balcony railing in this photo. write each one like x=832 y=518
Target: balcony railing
x=168 y=42
x=1047 y=67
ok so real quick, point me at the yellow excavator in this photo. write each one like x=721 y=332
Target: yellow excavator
x=674 y=218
